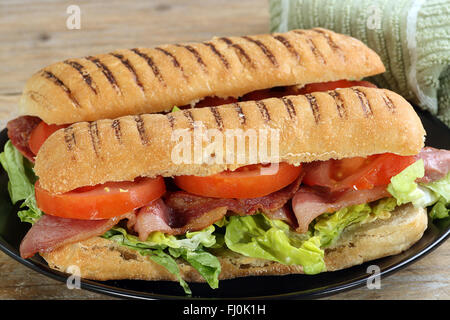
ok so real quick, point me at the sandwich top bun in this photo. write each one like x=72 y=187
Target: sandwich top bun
x=142 y=80
x=342 y=123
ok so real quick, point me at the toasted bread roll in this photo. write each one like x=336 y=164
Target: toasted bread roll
x=141 y=80
x=342 y=123
x=102 y=259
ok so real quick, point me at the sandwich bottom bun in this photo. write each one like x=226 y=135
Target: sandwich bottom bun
x=102 y=259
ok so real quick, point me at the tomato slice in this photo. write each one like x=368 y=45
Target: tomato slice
x=103 y=201
x=356 y=173
x=325 y=86
x=41 y=133
x=246 y=182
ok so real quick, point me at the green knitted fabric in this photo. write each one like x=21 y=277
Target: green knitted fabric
x=412 y=38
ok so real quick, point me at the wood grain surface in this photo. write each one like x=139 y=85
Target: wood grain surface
x=34 y=34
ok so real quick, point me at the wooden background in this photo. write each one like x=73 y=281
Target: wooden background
x=34 y=34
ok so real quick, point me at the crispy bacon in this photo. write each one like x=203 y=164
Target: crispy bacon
x=19 y=131
x=189 y=205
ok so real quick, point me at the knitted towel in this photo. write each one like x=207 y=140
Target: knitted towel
x=412 y=38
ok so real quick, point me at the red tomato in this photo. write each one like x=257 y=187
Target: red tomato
x=41 y=133
x=356 y=173
x=325 y=86
x=102 y=201
x=246 y=182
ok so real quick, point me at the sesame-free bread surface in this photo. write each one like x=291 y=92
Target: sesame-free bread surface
x=101 y=259
x=143 y=80
x=337 y=124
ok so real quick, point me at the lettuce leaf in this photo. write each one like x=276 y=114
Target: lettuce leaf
x=440 y=210
x=189 y=247
x=21 y=182
x=404 y=188
x=165 y=260
x=204 y=262
x=328 y=227
x=441 y=187
x=259 y=237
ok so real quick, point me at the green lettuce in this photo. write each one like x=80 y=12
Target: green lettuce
x=404 y=189
x=440 y=210
x=190 y=247
x=21 y=182
x=329 y=226
x=441 y=188
x=259 y=237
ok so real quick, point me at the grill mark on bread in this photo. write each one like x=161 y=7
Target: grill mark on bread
x=69 y=138
x=240 y=52
x=330 y=41
x=288 y=45
x=151 y=64
x=84 y=74
x=117 y=131
x=141 y=129
x=171 y=120
x=263 y=109
x=130 y=67
x=365 y=105
x=174 y=60
x=37 y=97
x=314 y=107
x=189 y=117
x=264 y=49
x=339 y=103
x=217 y=117
x=218 y=54
x=49 y=75
x=240 y=113
x=107 y=73
x=95 y=138
x=289 y=107
x=312 y=46
x=388 y=102
x=197 y=56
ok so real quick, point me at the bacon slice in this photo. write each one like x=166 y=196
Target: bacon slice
x=436 y=162
x=156 y=216
x=309 y=203
x=50 y=232
x=182 y=211
x=19 y=131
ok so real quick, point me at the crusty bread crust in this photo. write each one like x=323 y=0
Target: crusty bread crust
x=342 y=123
x=142 y=80
x=102 y=259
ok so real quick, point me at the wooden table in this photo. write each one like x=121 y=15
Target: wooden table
x=34 y=34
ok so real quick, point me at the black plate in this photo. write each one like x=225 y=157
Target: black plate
x=268 y=287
